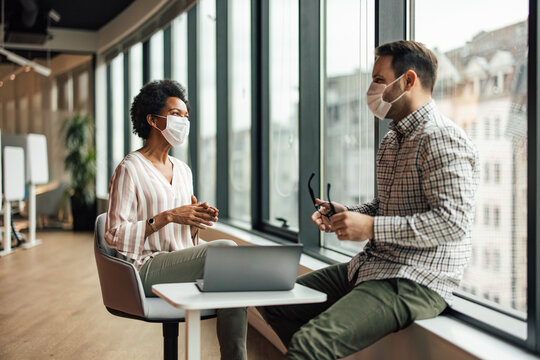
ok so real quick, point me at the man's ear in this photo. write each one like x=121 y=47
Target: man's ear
x=411 y=78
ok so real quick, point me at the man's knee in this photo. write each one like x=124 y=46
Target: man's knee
x=311 y=344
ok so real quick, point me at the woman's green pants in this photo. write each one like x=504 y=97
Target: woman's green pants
x=186 y=266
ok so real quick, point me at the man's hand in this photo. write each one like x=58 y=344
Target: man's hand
x=350 y=225
x=322 y=221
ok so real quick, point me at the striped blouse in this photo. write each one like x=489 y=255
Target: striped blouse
x=138 y=191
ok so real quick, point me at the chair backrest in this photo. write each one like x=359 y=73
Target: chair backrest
x=121 y=286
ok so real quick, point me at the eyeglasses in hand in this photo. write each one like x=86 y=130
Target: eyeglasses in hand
x=332 y=210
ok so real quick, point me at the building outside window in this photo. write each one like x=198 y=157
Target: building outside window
x=179 y=70
x=156 y=56
x=284 y=98
x=117 y=97
x=240 y=109
x=135 y=85
x=348 y=150
x=497 y=173
x=206 y=112
x=483 y=62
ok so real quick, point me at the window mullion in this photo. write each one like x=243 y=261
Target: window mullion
x=127 y=101
x=193 y=91
x=533 y=211
x=309 y=116
x=264 y=131
x=222 y=106
x=110 y=164
x=167 y=44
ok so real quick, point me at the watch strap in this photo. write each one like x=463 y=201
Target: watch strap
x=152 y=223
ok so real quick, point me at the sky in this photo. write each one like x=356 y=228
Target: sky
x=450 y=24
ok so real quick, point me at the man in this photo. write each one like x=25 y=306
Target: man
x=419 y=226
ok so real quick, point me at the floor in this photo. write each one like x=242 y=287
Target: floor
x=51 y=308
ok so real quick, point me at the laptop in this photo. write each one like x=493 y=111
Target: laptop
x=250 y=268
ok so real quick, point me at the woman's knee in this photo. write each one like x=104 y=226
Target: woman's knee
x=222 y=242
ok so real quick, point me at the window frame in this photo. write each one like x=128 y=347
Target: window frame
x=394 y=21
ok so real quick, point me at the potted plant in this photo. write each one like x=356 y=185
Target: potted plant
x=80 y=161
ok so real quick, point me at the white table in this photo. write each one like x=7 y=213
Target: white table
x=187 y=296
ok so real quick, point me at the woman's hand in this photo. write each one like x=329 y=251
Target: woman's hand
x=196 y=215
x=211 y=209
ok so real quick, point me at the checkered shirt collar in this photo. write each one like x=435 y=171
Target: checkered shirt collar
x=406 y=125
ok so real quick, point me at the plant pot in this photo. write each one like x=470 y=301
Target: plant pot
x=84 y=214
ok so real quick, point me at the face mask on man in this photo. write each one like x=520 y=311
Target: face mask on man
x=375 y=100
x=177 y=129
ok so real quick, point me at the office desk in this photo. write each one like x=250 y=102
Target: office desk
x=187 y=296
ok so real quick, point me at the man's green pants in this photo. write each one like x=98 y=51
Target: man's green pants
x=353 y=317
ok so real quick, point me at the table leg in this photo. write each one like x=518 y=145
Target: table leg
x=193 y=334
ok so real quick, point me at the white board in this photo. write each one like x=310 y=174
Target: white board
x=37 y=166
x=13 y=173
x=35 y=148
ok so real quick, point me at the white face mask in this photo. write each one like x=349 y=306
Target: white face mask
x=375 y=101
x=177 y=129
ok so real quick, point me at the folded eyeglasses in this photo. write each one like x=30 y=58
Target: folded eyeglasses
x=332 y=210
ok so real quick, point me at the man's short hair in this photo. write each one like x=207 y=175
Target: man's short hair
x=411 y=55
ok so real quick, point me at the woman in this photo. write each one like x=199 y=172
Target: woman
x=153 y=217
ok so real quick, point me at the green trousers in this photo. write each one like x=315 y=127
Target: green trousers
x=188 y=265
x=353 y=317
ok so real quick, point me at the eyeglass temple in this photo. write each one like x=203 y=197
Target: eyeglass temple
x=330 y=201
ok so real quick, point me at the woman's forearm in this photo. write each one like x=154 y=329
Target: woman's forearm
x=160 y=220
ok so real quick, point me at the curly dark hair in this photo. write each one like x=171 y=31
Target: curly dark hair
x=150 y=100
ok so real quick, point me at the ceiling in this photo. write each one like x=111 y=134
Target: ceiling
x=74 y=15
x=82 y=15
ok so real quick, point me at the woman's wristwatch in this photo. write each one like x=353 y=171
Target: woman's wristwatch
x=152 y=223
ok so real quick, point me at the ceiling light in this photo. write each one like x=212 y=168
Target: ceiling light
x=12 y=77
x=54 y=15
x=40 y=69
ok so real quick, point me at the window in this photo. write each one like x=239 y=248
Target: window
x=179 y=70
x=482 y=83
x=117 y=120
x=135 y=85
x=497 y=173
x=284 y=97
x=240 y=109
x=497 y=127
x=206 y=114
x=466 y=55
x=496 y=260
x=156 y=56
x=486 y=215
x=473 y=129
x=496 y=216
x=348 y=127
x=487 y=258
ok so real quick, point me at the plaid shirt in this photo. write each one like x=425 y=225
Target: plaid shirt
x=427 y=175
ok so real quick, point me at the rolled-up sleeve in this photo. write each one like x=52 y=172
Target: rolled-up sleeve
x=122 y=230
x=449 y=178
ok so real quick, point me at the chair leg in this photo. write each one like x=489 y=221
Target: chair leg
x=170 y=340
